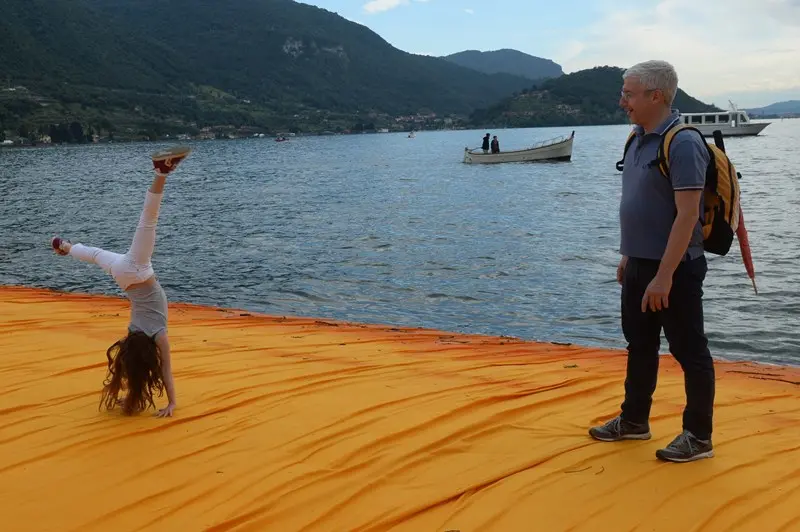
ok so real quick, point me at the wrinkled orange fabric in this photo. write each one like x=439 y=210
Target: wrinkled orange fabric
x=299 y=424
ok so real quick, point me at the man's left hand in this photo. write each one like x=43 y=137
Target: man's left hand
x=657 y=294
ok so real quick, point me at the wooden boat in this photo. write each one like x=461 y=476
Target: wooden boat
x=555 y=149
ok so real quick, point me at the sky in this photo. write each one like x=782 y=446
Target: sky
x=747 y=51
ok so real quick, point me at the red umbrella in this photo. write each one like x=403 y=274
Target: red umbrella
x=741 y=230
x=744 y=245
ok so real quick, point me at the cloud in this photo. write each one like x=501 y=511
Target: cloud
x=469 y=11
x=377 y=6
x=756 y=50
x=787 y=11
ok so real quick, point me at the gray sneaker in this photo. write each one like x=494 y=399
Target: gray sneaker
x=618 y=429
x=686 y=448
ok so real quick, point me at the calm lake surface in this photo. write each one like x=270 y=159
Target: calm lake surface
x=386 y=229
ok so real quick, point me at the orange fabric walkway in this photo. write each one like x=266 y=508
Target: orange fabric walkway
x=297 y=424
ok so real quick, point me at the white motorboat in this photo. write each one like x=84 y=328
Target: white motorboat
x=732 y=123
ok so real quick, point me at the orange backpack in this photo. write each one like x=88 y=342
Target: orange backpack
x=721 y=194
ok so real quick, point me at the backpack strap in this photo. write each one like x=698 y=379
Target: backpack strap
x=662 y=159
x=628 y=142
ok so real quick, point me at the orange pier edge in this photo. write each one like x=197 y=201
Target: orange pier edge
x=300 y=424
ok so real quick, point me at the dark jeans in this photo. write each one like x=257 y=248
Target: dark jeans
x=683 y=328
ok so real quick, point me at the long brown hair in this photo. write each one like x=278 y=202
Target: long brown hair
x=134 y=364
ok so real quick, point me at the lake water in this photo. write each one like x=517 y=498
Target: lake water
x=387 y=229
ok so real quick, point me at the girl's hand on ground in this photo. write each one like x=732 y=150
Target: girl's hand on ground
x=166 y=412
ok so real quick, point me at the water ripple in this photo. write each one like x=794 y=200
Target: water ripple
x=381 y=228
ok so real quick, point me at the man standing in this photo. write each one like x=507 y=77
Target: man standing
x=663 y=266
x=485 y=144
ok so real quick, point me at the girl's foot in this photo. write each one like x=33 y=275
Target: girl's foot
x=165 y=161
x=61 y=245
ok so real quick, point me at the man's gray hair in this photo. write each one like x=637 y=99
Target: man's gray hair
x=656 y=74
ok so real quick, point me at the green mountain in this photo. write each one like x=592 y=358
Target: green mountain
x=509 y=62
x=145 y=68
x=586 y=97
x=210 y=61
x=790 y=107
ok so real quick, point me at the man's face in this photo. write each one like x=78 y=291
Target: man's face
x=641 y=104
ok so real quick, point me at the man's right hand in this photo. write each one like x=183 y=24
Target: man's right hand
x=621 y=268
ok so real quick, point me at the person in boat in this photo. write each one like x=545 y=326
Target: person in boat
x=663 y=266
x=140 y=362
x=485 y=145
x=495 y=145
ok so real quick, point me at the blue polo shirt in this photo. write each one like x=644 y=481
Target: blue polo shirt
x=647 y=208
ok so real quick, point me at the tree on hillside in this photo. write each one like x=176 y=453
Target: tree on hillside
x=60 y=133
x=107 y=126
x=76 y=132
